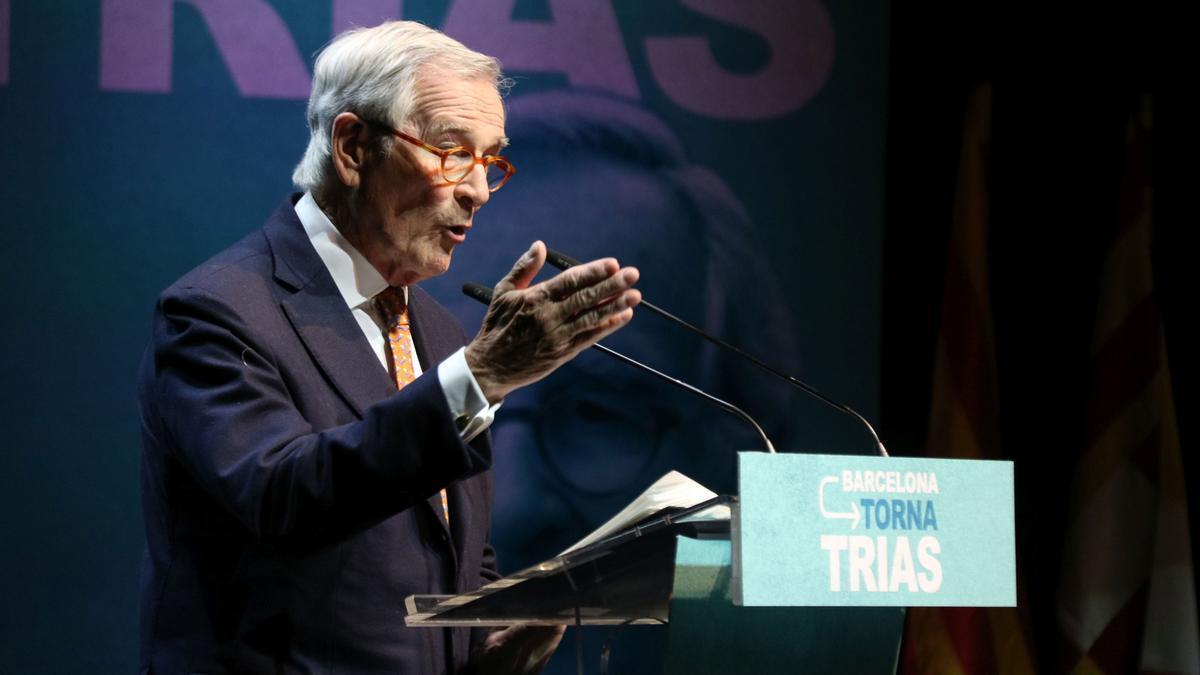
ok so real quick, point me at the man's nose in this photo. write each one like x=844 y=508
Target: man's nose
x=472 y=192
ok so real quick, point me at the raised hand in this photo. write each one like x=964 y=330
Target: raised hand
x=529 y=331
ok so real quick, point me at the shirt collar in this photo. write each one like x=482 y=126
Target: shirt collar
x=356 y=278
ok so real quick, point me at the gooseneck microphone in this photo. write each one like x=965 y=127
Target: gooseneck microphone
x=484 y=294
x=563 y=261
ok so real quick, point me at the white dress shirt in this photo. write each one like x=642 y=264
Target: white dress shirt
x=359 y=282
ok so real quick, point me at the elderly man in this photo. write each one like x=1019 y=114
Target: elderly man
x=312 y=421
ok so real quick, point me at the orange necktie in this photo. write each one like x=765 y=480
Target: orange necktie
x=394 y=309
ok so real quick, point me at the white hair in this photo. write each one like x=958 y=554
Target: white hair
x=372 y=72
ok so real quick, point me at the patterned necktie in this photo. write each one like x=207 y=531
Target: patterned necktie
x=394 y=310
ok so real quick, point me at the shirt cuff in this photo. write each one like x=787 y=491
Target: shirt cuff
x=471 y=411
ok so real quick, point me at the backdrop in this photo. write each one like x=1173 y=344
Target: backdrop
x=732 y=150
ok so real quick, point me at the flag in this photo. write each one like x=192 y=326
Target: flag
x=964 y=420
x=1126 y=600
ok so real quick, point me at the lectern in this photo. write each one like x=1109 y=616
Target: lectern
x=807 y=570
x=623 y=579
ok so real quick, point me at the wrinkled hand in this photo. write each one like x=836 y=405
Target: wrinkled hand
x=516 y=650
x=531 y=330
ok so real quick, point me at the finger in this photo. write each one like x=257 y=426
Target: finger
x=524 y=270
x=600 y=319
x=602 y=329
x=567 y=283
x=600 y=294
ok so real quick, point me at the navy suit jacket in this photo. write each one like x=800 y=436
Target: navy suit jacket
x=289 y=491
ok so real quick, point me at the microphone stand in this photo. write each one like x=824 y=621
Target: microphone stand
x=563 y=261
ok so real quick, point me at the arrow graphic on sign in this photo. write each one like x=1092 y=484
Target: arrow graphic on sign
x=853 y=515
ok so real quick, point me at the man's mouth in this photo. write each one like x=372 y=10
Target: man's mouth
x=458 y=232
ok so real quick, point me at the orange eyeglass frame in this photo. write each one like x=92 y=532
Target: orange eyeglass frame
x=444 y=153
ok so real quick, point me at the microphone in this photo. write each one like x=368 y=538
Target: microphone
x=563 y=261
x=484 y=294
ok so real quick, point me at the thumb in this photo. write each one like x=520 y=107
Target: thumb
x=524 y=270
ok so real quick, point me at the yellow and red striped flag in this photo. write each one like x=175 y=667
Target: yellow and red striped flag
x=964 y=420
x=1126 y=601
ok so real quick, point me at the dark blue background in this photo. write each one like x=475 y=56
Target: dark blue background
x=109 y=196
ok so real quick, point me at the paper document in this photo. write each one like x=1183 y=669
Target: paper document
x=673 y=490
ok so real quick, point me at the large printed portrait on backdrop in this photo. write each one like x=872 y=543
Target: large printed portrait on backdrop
x=602 y=177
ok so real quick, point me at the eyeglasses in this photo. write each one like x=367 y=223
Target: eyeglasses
x=457 y=162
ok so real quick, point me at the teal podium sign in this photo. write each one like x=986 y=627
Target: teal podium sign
x=833 y=530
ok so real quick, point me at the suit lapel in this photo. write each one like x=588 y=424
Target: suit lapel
x=338 y=347
x=319 y=315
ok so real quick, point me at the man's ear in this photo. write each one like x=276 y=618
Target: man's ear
x=349 y=148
